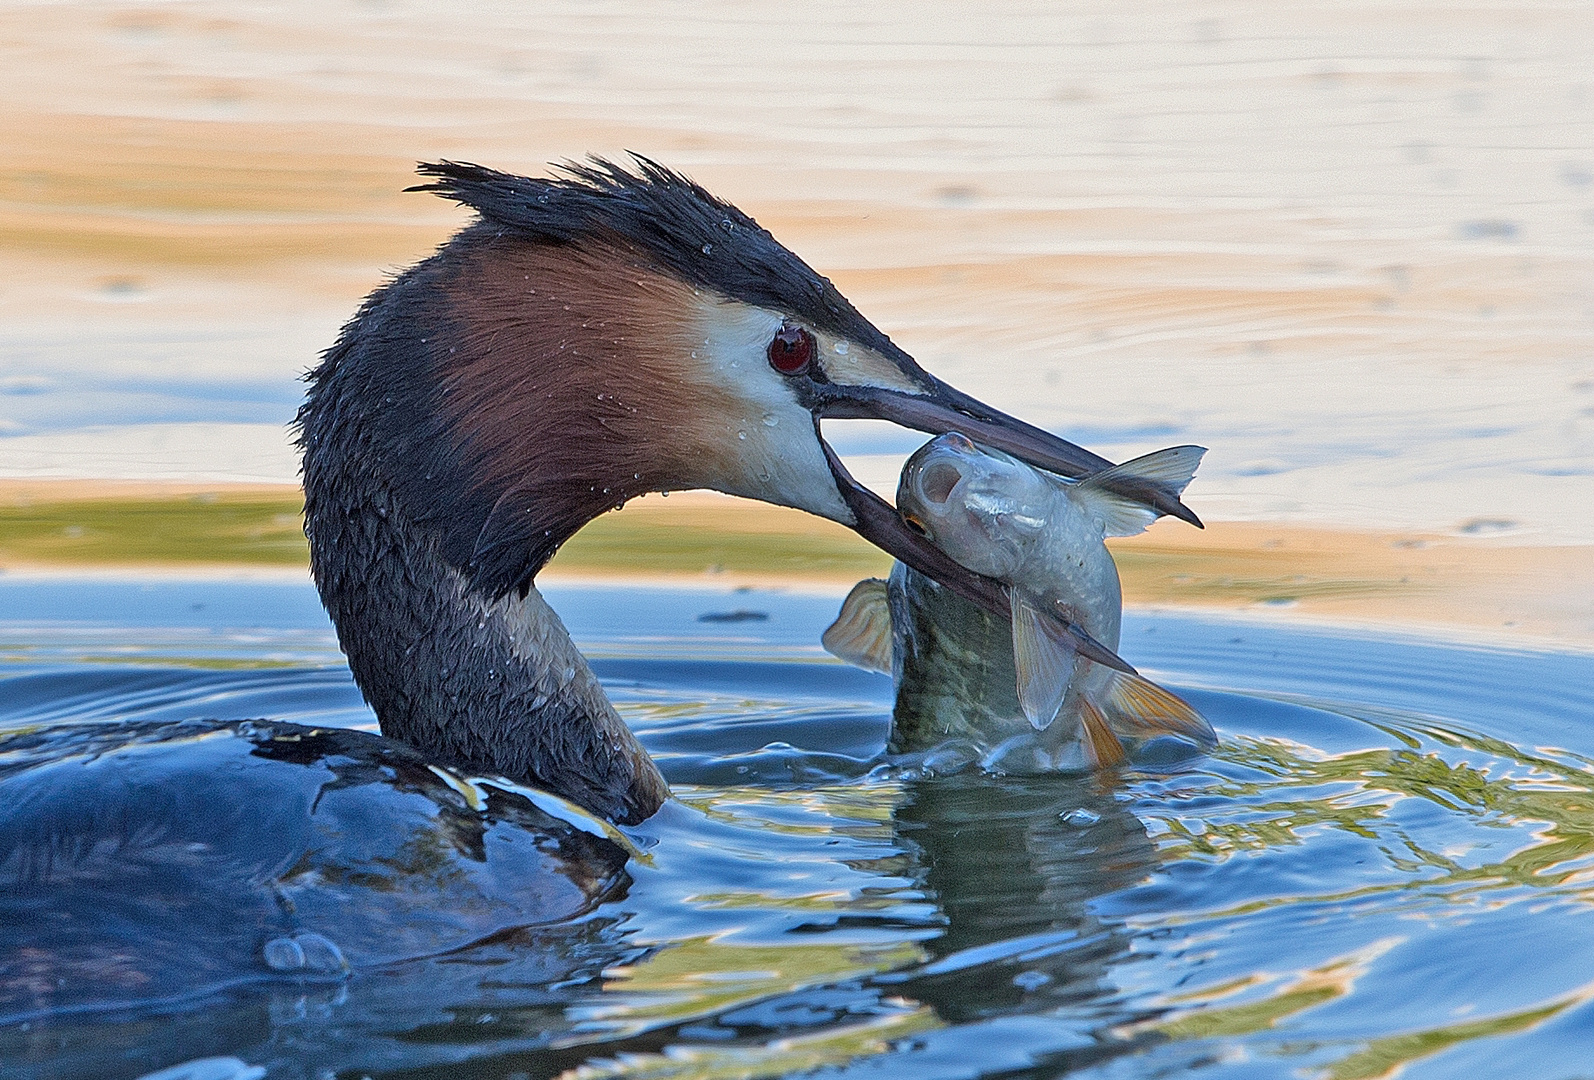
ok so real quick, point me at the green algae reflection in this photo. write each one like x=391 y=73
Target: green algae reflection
x=1538 y=808
x=1526 y=820
x=221 y=528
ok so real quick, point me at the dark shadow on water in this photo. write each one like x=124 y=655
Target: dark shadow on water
x=1014 y=863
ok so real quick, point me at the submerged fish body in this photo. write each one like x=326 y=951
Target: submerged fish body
x=952 y=663
x=1015 y=692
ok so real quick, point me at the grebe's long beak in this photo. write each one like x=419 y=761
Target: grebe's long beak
x=944 y=409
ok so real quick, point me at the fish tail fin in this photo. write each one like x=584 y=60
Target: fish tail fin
x=1125 y=514
x=861 y=634
x=1103 y=749
x=1141 y=709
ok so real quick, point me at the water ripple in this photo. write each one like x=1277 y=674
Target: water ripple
x=1362 y=878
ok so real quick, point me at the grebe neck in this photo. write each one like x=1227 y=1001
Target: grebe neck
x=480 y=676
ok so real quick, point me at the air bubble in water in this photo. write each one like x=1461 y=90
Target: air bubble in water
x=1031 y=980
x=310 y=953
x=321 y=955
x=283 y=954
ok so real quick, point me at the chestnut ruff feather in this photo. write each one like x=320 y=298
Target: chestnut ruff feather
x=684 y=229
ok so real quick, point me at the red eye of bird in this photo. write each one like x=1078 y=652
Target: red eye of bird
x=791 y=350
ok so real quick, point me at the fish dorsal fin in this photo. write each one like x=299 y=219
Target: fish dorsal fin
x=1123 y=515
x=1044 y=656
x=861 y=633
x=1144 y=710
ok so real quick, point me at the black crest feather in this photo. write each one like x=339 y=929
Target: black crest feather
x=697 y=237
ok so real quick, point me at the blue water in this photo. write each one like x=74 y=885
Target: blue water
x=1387 y=864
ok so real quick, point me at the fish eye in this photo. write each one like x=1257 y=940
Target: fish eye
x=791 y=350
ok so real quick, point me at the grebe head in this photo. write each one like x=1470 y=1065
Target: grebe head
x=592 y=337
x=610 y=333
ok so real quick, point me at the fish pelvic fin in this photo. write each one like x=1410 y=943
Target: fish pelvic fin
x=861 y=634
x=1123 y=514
x=1103 y=750
x=1044 y=655
x=1140 y=708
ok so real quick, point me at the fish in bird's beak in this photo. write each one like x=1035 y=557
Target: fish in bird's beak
x=850 y=381
x=940 y=409
x=878 y=522
x=783 y=374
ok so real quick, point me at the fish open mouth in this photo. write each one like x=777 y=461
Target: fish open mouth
x=938 y=481
x=878 y=522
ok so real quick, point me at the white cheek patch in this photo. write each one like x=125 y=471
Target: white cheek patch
x=852 y=365
x=771 y=451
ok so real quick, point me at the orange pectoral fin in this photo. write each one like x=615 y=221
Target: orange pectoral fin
x=1141 y=708
x=1102 y=748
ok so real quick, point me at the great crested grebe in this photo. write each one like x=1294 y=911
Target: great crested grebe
x=590 y=338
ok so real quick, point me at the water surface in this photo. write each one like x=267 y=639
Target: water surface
x=1349 y=246
x=1386 y=862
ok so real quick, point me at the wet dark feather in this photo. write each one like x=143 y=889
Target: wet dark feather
x=692 y=234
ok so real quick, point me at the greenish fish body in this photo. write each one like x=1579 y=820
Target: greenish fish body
x=1013 y=693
